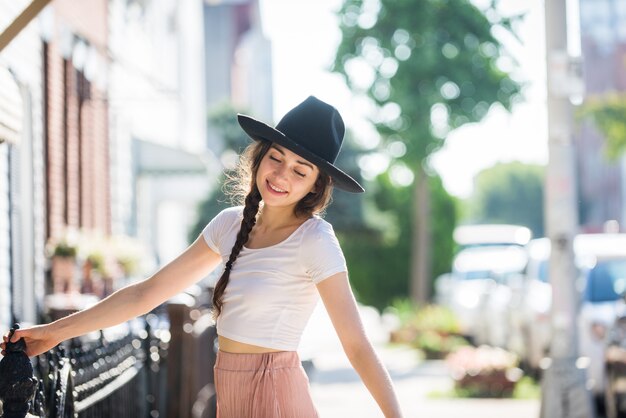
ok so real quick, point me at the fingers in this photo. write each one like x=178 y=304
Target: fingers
x=14 y=338
x=17 y=335
x=30 y=336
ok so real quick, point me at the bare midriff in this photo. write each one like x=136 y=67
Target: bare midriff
x=232 y=346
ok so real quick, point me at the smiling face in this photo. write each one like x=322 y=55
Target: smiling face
x=283 y=177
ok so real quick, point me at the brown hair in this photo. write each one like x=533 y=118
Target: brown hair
x=243 y=188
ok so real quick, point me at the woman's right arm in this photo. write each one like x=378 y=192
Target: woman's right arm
x=193 y=264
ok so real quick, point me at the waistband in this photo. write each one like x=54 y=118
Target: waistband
x=256 y=361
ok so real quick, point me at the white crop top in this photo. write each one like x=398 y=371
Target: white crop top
x=271 y=292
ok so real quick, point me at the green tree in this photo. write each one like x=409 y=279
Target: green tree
x=608 y=113
x=345 y=212
x=433 y=67
x=509 y=193
x=378 y=255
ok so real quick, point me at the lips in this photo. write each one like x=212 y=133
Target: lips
x=274 y=189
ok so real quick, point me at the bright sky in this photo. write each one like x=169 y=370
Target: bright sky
x=304 y=36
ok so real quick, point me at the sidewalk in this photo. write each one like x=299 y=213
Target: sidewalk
x=339 y=393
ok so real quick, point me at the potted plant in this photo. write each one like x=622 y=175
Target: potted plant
x=92 y=269
x=128 y=253
x=63 y=252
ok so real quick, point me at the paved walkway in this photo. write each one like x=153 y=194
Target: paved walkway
x=339 y=393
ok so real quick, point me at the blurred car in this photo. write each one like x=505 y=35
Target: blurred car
x=597 y=260
x=504 y=299
x=476 y=289
x=478 y=271
x=529 y=326
x=603 y=259
x=491 y=234
x=615 y=369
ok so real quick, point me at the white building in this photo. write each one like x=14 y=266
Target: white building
x=22 y=217
x=238 y=60
x=161 y=165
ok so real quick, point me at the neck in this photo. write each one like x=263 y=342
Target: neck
x=276 y=217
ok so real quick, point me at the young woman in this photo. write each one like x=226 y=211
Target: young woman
x=279 y=258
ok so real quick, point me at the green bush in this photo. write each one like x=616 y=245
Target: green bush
x=432 y=329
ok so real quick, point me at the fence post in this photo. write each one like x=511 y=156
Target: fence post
x=17 y=384
x=191 y=358
x=177 y=358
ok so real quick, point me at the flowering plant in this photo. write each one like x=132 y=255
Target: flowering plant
x=66 y=245
x=432 y=329
x=129 y=254
x=484 y=371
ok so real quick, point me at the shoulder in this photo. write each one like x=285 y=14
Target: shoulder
x=233 y=213
x=318 y=228
x=321 y=254
x=318 y=234
x=220 y=226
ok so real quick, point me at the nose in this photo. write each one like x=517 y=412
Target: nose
x=281 y=171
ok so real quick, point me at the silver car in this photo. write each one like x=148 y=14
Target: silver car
x=601 y=281
x=476 y=289
x=529 y=326
x=603 y=259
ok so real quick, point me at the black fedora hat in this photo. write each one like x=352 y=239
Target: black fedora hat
x=314 y=130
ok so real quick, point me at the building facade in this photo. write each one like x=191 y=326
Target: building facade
x=238 y=61
x=161 y=165
x=103 y=125
x=22 y=214
x=601 y=182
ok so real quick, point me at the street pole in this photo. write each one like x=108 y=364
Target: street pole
x=564 y=394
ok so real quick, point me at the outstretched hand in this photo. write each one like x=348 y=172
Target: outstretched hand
x=38 y=340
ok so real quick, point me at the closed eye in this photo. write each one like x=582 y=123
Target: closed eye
x=279 y=161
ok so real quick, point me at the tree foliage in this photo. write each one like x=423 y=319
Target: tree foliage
x=424 y=54
x=608 y=113
x=429 y=66
x=379 y=255
x=510 y=193
x=345 y=212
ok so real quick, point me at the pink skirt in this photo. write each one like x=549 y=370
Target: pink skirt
x=266 y=385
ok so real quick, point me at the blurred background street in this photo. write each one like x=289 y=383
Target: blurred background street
x=490 y=138
x=338 y=391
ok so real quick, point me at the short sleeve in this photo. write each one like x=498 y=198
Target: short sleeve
x=214 y=232
x=321 y=253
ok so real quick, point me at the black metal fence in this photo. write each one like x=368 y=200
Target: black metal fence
x=126 y=375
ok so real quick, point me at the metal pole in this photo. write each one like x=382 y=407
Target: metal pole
x=564 y=394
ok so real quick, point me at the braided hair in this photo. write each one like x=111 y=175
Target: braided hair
x=243 y=185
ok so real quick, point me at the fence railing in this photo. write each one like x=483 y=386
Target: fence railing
x=161 y=365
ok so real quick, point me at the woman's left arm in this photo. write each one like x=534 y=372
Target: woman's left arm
x=341 y=306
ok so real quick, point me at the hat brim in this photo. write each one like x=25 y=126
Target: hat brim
x=258 y=130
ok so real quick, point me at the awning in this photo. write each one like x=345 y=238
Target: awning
x=20 y=22
x=11 y=112
x=161 y=160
